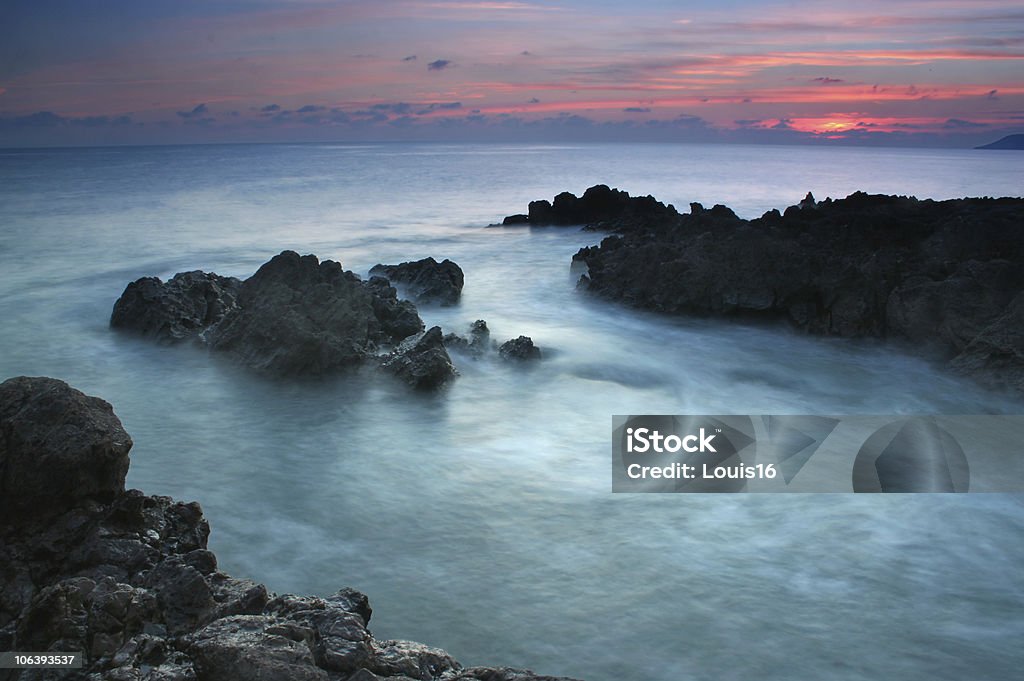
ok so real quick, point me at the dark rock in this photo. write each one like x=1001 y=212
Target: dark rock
x=935 y=273
x=519 y=349
x=127 y=579
x=476 y=344
x=253 y=648
x=296 y=316
x=422 y=361
x=299 y=316
x=517 y=219
x=600 y=207
x=57 y=447
x=996 y=354
x=178 y=309
x=426 y=281
x=412 y=660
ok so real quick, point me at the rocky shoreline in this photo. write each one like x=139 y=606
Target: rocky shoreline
x=127 y=579
x=946 y=277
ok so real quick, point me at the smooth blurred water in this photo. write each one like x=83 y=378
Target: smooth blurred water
x=481 y=519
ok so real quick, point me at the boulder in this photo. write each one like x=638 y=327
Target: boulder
x=300 y=317
x=58 y=446
x=295 y=316
x=175 y=310
x=422 y=361
x=426 y=281
x=519 y=349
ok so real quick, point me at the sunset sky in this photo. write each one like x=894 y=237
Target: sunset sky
x=153 y=72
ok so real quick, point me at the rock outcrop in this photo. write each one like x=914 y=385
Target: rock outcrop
x=600 y=207
x=295 y=316
x=940 y=274
x=178 y=309
x=127 y=579
x=426 y=281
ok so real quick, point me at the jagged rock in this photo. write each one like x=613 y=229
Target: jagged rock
x=937 y=273
x=298 y=316
x=57 y=446
x=475 y=344
x=517 y=219
x=295 y=316
x=599 y=207
x=412 y=660
x=178 y=309
x=254 y=648
x=426 y=281
x=519 y=349
x=422 y=361
x=127 y=579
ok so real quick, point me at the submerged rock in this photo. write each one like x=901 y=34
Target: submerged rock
x=426 y=281
x=127 y=579
x=475 y=344
x=177 y=309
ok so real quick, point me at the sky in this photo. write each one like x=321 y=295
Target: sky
x=904 y=73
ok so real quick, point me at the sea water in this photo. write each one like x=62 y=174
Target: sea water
x=480 y=519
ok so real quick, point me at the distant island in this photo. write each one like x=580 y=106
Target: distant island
x=1008 y=142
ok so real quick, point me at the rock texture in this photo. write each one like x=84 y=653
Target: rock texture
x=178 y=309
x=519 y=349
x=426 y=281
x=940 y=274
x=127 y=579
x=295 y=316
x=422 y=361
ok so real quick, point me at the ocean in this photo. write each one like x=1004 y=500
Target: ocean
x=480 y=519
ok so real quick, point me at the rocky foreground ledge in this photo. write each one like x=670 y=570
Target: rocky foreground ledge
x=127 y=579
x=946 y=276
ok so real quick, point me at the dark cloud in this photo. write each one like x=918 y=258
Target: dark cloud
x=311 y=108
x=961 y=124
x=439 y=106
x=48 y=119
x=439 y=65
x=748 y=122
x=783 y=124
x=534 y=100
x=400 y=108
x=637 y=109
x=526 y=53
x=270 y=108
x=825 y=80
x=197 y=112
x=992 y=94
x=411 y=57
